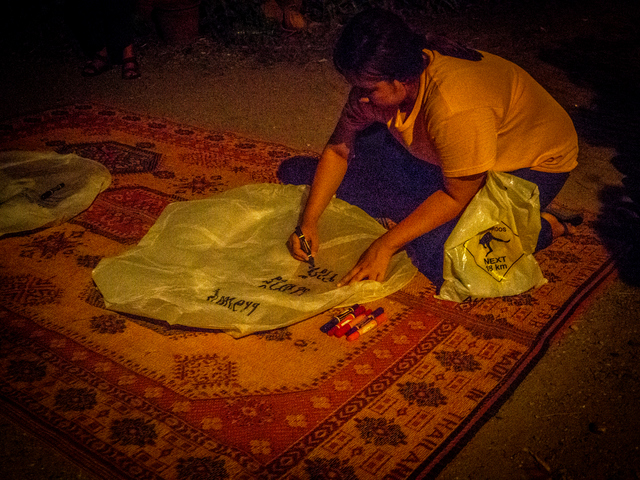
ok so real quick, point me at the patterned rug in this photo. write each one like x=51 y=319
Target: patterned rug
x=129 y=398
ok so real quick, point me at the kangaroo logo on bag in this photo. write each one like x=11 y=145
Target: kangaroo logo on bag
x=495 y=250
x=486 y=240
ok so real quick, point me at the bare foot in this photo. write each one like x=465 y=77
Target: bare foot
x=558 y=228
x=98 y=64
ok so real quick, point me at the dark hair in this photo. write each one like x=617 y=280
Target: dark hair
x=377 y=43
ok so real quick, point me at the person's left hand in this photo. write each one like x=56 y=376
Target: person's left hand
x=372 y=265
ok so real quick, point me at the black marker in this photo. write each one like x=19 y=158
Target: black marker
x=305 y=246
x=48 y=193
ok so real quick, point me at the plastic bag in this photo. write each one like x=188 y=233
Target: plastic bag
x=490 y=251
x=40 y=189
x=223 y=263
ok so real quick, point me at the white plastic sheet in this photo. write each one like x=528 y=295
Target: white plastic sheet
x=222 y=263
x=40 y=189
x=490 y=251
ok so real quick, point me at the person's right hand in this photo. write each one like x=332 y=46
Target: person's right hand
x=311 y=234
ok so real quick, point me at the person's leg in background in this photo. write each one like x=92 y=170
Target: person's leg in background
x=120 y=36
x=105 y=31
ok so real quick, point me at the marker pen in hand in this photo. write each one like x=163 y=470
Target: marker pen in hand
x=306 y=248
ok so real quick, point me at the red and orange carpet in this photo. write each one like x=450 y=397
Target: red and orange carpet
x=129 y=398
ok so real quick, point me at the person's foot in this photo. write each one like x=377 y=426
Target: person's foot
x=272 y=10
x=293 y=20
x=562 y=226
x=98 y=64
x=286 y=13
x=130 y=68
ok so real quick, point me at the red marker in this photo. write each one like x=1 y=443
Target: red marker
x=379 y=320
x=357 y=326
x=339 y=317
x=348 y=319
x=347 y=326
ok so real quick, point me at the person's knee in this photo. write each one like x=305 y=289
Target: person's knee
x=298 y=170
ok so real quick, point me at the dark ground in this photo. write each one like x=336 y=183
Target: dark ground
x=576 y=416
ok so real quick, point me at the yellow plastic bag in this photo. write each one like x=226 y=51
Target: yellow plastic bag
x=41 y=189
x=490 y=251
x=222 y=263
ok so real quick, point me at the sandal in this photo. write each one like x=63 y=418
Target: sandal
x=130 y=68
x=99 y=64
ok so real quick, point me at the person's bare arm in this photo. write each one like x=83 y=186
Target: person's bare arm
x=439 y=208
x=329 y=174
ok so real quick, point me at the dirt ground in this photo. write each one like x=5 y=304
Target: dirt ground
x=576 y=414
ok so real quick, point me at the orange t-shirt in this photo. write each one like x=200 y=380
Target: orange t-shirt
x=471 y=117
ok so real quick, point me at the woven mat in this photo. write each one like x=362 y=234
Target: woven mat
x=130 y=398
